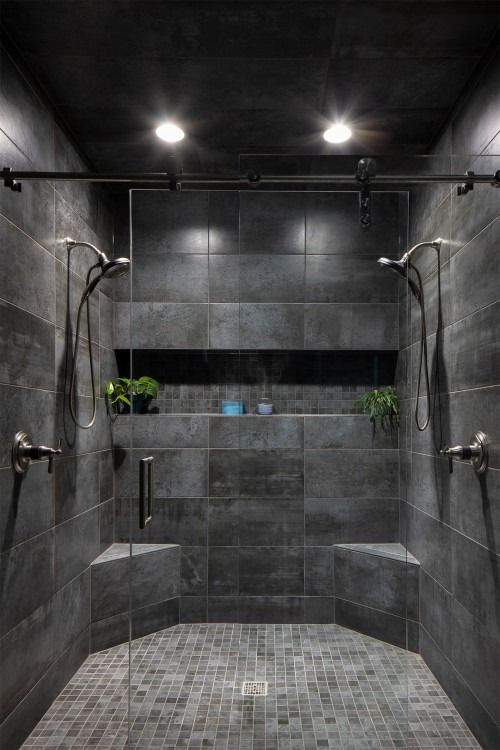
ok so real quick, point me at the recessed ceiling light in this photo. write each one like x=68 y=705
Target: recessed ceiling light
x=170 y=132
x=337 y=133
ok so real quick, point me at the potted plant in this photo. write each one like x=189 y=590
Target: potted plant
x=381 y=403
x=132 y=394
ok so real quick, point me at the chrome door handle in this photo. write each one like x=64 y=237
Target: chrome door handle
x=145 y=518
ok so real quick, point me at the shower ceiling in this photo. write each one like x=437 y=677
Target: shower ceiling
x=249 y=76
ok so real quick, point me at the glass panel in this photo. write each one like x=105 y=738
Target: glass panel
x=184 y=334
x=310 y=529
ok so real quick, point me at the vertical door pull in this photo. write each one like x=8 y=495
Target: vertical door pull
x=145 y=517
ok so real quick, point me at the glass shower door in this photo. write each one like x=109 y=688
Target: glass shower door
x=183 y=334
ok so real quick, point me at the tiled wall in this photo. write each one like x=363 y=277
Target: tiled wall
x=224 y=270
x=51 y=525
x=453 y=520
x=256 y=503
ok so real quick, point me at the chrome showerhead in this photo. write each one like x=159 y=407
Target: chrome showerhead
x=108 y=268
x=115 y=267
x=401 y=268
x=394 y=265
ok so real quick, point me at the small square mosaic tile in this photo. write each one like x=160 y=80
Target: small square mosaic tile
x=328 y=687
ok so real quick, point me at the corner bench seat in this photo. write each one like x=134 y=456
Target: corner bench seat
x=153 y=597
x=377 y=591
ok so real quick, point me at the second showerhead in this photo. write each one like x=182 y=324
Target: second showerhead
x=108 y=267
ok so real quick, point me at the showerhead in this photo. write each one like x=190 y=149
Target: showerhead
x=400 y=267
x=115 y=267
x=109 y=268
x=394 y=265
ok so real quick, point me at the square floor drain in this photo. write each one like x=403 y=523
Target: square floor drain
x=254 y=688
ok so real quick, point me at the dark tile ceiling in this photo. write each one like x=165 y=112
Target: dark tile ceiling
x=249 y=76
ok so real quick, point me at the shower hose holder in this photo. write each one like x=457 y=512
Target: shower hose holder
x=24 y=452
x=476 y=453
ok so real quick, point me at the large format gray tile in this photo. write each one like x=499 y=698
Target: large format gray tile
x=254 y=473
x=475 y=577
x=480 y=722
x=170 y=277
x=351 y=326
x=430 y=542
x=271 y=278
x=34 y=212
x=157 y=325
x=344 y=520
x=76 y=485
x=29 y=283
x=347 y=431
x=332 y=221
x=271 y=326
x=28 y=359
x=165 y=221
x=26 y=652
x=162 y=431
x=224 y=325
x=373 y=622
x=223 y=230
x=351 y=473
x=27 y=507
x=272 y=223
x=76 y=545
x=179 y=472
x=27 y=579
x=341 y=278
x=224 y=281
x=381 y=583
x=256 y=521
x=32 y=410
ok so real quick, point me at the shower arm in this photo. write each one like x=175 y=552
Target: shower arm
x=436 y=244
x=70 y=244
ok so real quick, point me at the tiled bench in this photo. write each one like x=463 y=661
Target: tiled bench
x=155 y=571
x=377 y=591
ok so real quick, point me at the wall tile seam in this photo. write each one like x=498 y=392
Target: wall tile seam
x=452 y=667
x=484 y=228
x=455 y=530
x=29 y=312
x=74 y=206
x=54 y=593
x=15 y=226
x=375 y=609
x=18 y=148
x=36 y=686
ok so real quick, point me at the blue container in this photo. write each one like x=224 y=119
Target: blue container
x=232 y=407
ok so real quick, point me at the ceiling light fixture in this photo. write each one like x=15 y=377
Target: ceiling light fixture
x=337 y=133
x=170 y=132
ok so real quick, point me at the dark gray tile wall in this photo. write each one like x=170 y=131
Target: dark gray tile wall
x=256 y=504
x=452 y=520
x=257 y=271
x=51 y=525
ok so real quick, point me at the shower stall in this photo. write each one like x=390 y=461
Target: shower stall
x=315 y=576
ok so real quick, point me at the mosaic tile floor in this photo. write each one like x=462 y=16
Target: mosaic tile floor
x=329 y=687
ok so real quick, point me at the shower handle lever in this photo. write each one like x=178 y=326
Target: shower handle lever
x=24 y=452
x=476 y=453
x=145 y=516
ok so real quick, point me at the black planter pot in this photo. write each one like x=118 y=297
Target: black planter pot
x=140 y=404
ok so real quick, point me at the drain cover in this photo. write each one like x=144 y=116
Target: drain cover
x=254 y=688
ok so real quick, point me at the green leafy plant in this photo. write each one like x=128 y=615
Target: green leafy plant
x=381 y=403
x=122 y=390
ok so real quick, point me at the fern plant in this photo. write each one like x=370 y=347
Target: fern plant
x=381 y=403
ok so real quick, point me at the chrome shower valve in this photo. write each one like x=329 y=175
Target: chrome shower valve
x=476 y=453
x=24 y=452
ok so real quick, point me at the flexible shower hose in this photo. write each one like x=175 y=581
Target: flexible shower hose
x=72 y=390
x=423 y=359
